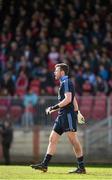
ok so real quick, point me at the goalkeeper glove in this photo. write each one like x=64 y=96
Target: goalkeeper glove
x=81 y=119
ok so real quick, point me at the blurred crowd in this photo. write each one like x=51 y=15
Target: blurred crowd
x=35 y=35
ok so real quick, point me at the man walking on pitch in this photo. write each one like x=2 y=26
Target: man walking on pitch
x=66 y=121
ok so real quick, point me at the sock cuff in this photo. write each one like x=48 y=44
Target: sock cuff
x=48 y=155
x=80 y=159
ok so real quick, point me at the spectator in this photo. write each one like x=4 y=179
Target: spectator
x=7 y=85
x=21 y=83
x=103 y=72
x=74 y=32
x=101 y=85
x=7 y=138
x=1 y=149
x=29 y=101
x=53 y=55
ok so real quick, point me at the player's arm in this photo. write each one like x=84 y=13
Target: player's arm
x=76 y=107
x=64 y=102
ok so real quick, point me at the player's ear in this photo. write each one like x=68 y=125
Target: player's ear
x=63 y=73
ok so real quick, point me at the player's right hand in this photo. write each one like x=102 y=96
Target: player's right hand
x=49 y=110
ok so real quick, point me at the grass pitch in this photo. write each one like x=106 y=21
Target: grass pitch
x=54 y=172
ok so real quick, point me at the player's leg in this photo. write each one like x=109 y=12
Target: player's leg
x=73 y=138
x=53 y=140
x=77 y=148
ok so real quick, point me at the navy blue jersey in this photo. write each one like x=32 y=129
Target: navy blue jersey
x=67 y=117
x=66 y=85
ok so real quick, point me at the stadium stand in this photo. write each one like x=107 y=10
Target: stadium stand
x=99 y=108
x=3 y=112
x=86 y=106
x=34 y=36
x=15 y=112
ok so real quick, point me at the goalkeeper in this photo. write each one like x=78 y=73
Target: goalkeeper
x=68 y=114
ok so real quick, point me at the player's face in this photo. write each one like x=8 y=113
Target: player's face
x=57 y=73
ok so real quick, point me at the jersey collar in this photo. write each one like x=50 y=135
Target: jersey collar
x=63 y=78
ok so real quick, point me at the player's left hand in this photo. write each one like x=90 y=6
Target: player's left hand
x=81 y=119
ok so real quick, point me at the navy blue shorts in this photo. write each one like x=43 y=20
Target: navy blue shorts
x=65 y=122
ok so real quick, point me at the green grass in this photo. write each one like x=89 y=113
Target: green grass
x=54 y=172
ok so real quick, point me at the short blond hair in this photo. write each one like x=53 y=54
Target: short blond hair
x=64 y=67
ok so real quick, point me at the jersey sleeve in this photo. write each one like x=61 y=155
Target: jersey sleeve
x=67 y=86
